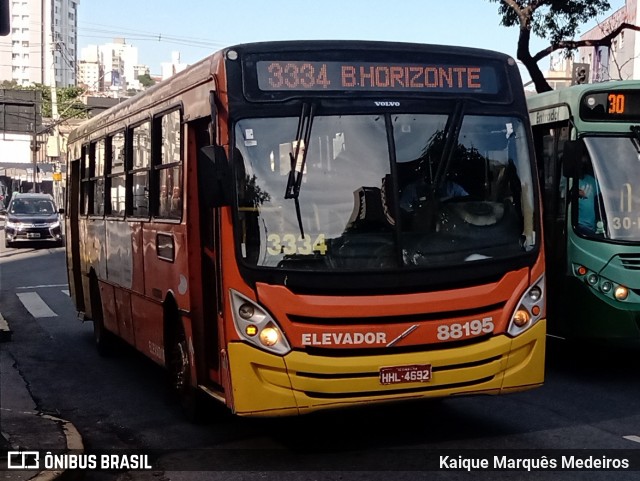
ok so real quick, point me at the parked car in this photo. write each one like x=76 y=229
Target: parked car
x=32 y=217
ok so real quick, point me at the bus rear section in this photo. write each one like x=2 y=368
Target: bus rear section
x=383 y=241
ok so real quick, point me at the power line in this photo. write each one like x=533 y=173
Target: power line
x=112 y=32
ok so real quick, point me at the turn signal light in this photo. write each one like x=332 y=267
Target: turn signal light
x=251 y=330
x=581 y=270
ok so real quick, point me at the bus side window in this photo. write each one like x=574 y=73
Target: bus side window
x=86 y=191
x=139 y=173
x=98 y=182
x=169 y=202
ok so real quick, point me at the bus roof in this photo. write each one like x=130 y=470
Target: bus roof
x=574 y=93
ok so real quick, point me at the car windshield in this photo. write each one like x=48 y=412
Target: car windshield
x=608 y=196
x=383 y=192
x=31 y=207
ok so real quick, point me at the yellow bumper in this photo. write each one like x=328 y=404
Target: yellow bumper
x=267 y=385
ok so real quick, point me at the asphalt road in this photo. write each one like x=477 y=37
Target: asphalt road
x=589 y=401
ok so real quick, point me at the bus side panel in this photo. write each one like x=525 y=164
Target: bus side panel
x=148 y=329
x=109 y=308
x=92 y=256
x=119 y=260
x=94 y=248
x=166 y=263
x=137 y=280
x=123 y=307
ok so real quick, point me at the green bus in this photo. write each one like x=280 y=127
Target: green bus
x=587 y=141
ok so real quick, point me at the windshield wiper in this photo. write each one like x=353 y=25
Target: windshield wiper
x=452 y=133
x=299 y=158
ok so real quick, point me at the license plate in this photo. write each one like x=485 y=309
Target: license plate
x=33 y=235
x=402 y=374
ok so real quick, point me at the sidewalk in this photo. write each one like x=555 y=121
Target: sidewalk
x=22 y=427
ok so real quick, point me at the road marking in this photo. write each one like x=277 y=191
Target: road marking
x=66 y=291
x=635 y=439
x=43 y=286
x=35 y=305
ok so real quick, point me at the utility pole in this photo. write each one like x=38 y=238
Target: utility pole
x=53 y=142
x=35 y=148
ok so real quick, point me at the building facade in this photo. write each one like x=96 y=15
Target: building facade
x=111 y=67
x=620 y=61
x=42 y=43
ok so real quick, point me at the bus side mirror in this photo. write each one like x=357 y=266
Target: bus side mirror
x=572 y=152
x=214 y=179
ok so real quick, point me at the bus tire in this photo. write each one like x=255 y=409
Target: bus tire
x=103 y=339
x=179 y=375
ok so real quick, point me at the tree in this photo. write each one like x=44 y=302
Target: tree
x=68 y=100
x=146 y=80
x=557 y=20
x=10 y=85
x=69 y=103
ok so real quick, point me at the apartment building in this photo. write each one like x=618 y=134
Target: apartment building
x=42 y=43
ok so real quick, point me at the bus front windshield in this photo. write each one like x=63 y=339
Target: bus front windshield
x=379 y=192
x=613 y=211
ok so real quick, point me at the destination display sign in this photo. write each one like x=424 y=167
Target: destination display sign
x=303 y=75
x=611 y=105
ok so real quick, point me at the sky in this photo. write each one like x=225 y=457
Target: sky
x=196 y=28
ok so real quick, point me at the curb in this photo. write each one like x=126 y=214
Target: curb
x=72 y=438
x=73 y=441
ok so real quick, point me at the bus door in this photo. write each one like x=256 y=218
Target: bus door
x=72 y=235
x=549 y=146
x=210 y=269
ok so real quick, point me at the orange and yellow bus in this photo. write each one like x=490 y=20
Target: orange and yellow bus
x=293 y=226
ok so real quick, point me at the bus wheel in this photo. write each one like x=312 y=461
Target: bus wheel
x=104 y=340
x=179 y=377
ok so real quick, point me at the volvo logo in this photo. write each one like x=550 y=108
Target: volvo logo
x=386 y=103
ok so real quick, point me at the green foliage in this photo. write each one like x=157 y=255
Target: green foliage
x=146 y=80
x=558 y=21
x=554 y=20
x=10 y=85
x=69 y=103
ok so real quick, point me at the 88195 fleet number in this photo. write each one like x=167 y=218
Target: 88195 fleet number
x=464 y=330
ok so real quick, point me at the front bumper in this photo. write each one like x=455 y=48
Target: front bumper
x=33 y=233
x=268 y=385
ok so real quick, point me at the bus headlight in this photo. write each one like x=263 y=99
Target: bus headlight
x=256 y=326
x=621 y=293
x=269 y=336
x=530 y=309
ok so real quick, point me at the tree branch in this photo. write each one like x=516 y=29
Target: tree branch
x=573 y=44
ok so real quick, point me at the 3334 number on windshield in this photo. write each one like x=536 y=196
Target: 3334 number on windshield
x=290 y=244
